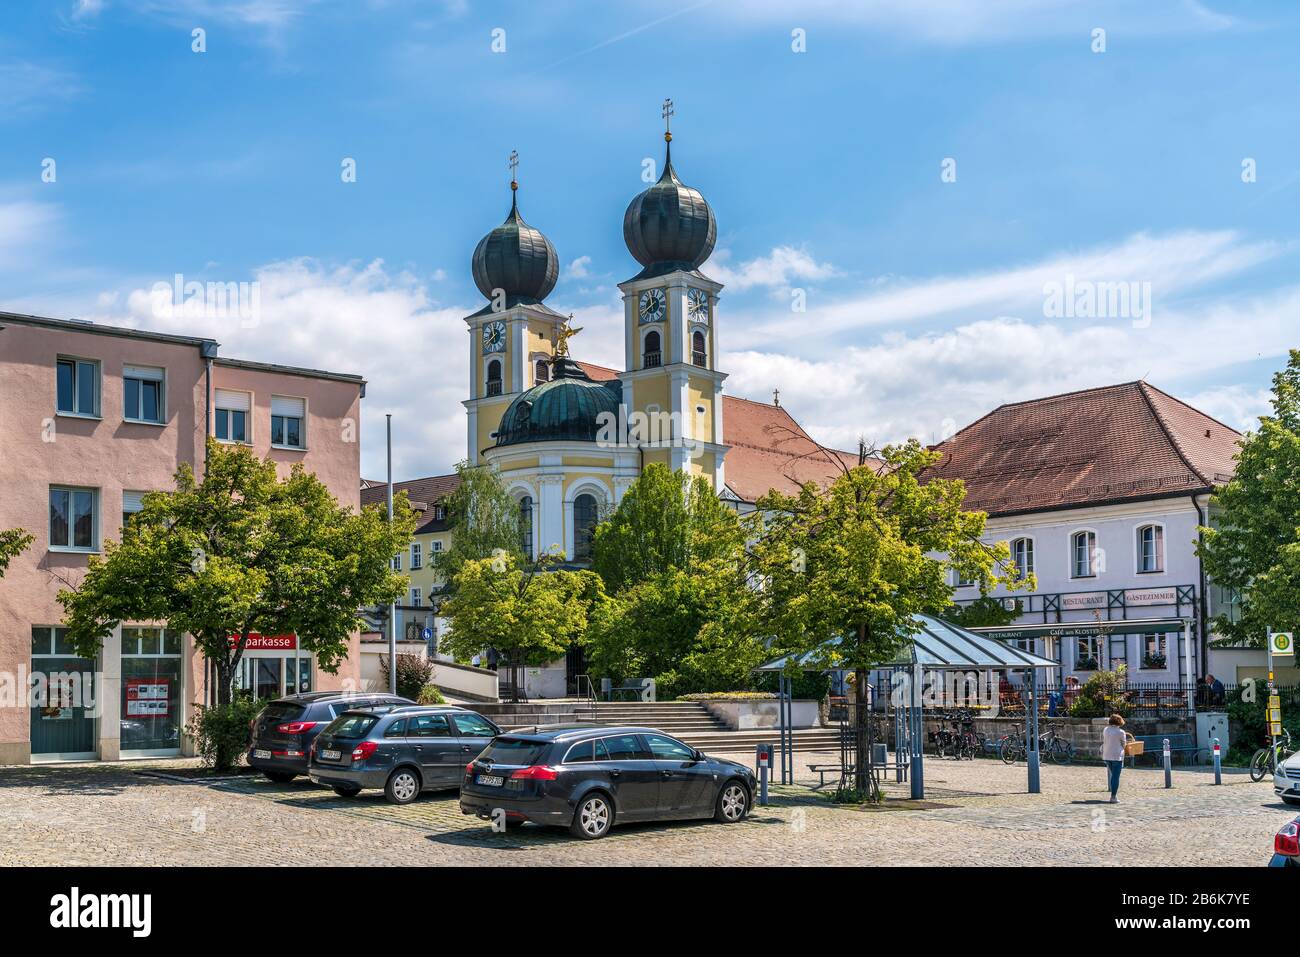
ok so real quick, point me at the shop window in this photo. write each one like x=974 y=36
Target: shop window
x=64 y=701
x=151 y=690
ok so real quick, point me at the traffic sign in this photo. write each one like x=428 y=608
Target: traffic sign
x=427 y=634
x=1281 y=643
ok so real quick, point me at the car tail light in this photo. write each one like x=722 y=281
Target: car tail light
x=296 y=727
x=364 y=750
x=1287 y=842
x=469 y=769
x=538 y=772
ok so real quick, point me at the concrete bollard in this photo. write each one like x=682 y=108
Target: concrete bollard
x=1169 y=769
x=1218 y=766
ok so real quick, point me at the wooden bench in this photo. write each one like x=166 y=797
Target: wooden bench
x=1154 y=744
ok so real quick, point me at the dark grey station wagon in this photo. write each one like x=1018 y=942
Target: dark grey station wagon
x=404 y=751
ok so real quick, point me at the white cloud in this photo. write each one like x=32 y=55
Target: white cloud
x=779 y=269
x=928 y=384
x=1173 y=264
x=1233 y=405
x=30 y=87
x=27 y=227
x=362 y=319
x=961 y=22
x=86 y=9
x=578 y=269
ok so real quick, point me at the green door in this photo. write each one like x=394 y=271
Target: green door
x=65 y=703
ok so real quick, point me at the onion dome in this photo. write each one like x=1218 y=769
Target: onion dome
x=516 y=258
x=565 y=409
x=669 y=227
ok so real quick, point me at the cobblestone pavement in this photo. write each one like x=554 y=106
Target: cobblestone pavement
x=975 y=813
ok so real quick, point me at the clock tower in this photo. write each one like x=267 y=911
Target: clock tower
x=672 y=388
x=512 y=338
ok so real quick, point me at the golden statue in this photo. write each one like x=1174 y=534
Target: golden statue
x=563 y=335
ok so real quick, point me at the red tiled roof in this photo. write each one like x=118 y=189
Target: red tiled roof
x=422 y=493
x=769 y=449
x=1110 y=444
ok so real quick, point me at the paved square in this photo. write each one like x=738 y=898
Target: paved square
x=977 y=814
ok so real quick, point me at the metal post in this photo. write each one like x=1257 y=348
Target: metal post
x=1169 y=775
x=917 y=762
x=1272 y=740
x=1187 y=658
x=392 y=607
x=1218 y=767
x=1031 y=751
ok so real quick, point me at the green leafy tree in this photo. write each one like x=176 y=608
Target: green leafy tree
x=484 y=522
x=13 y=541
x=1253 y=546
x=239 y=553
x=664 y=521
x=843 y=569
x=532 y=616
x=671 y=556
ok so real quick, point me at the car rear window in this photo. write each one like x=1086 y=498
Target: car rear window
x=283 y=711
x=514 y=751
x=352 y=725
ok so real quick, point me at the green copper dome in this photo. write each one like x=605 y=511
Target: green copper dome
x=562 y=410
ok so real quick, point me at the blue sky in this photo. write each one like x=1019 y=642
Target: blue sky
x=925 y=298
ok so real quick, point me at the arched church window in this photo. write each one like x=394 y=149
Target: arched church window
x=584 y=523
x=494 y=377
x=526 y=525
x=653 y=355
x=543 y=373
x=699 y=355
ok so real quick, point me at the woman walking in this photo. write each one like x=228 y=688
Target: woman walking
x=1113 y=740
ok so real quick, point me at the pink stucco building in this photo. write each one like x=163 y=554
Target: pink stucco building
x=92 y=417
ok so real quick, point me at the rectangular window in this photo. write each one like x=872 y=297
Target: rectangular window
x=1151 y=548
x=416 y=557
x=1083 y=544
x=78 y=387
x=416 y=598
x=397 y=562
x=1087 y=654
x=1155 y=652
x=231 y=415
x=151 y=690
x=435 y=546
x=287 y=418
x=1022 y=553
x=144 y=394
x=132 y=502
x=73 y=520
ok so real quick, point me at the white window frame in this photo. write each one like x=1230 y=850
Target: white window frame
x=94 y=520
x=1030 y=548
x=302 y=424
x=417 y=557
x=435 y=546
x=132 y=373
x=396 y=562
x=218 y=408
x=959 y=582
x=417 y=598
x=1092 y=554
x=77 y=362
x=1158 y=533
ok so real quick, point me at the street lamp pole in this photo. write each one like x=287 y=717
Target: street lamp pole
x=392 y=607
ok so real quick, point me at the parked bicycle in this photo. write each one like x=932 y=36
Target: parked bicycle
x=1267 y=758
x=1051 y=746
x=956 y=738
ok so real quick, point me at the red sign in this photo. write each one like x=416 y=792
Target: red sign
x=258 y=642
x=147 y=697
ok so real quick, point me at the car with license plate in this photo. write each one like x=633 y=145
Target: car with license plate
x=404 y=751
x=282 y=734
x=589 y=777
x=1286 y=845
x=1286 y=780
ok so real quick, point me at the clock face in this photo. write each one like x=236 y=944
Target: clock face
x=494 y=336
x=654 y=305
x=697 y=304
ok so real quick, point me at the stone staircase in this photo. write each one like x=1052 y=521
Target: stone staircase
x=694 y=724
x=689 y=721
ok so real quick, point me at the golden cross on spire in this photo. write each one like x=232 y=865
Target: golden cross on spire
x=514 y=165
x=563 y=335
x=668 y=119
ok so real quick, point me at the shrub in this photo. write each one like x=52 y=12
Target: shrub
x=222 y=732
x=729 y=696
x=413 y=673
x=1102 y=694
x=430 y=694
x=806 y=685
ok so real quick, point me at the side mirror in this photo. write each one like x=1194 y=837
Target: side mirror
x=699 y=755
